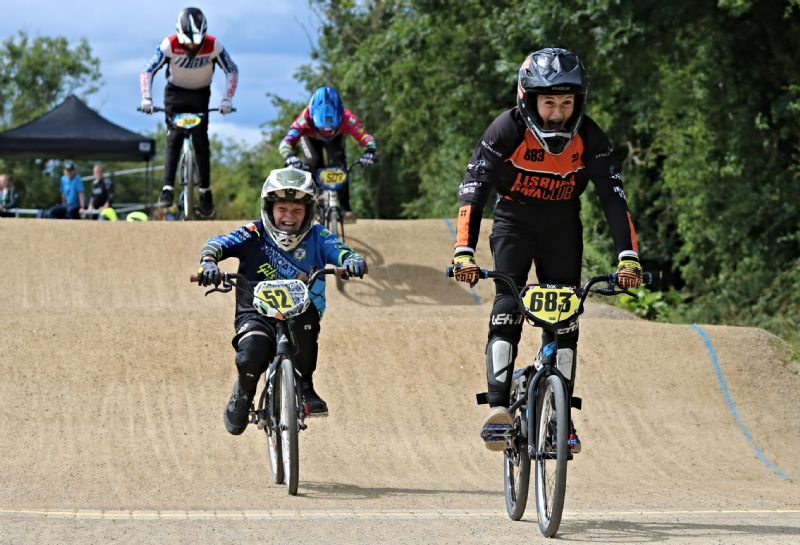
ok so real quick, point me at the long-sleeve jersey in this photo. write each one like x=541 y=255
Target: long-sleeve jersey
x=302 y=126
x=510 y=159
x=190 y=71
x=261 y=259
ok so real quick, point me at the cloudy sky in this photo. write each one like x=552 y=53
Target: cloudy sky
x=267 y=39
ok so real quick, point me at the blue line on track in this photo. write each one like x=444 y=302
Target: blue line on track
x=732 y=406
x=475 y=296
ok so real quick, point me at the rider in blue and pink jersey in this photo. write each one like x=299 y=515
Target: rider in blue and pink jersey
x=322 y=125
x=190 y=55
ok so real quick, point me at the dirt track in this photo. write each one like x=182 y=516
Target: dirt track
x=116 y=369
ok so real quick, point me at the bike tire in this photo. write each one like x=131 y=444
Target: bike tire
x=188 y=171
x=552 y=452
x=516 y=476
x=335 y=225
x=274 y=450
x=289 y=427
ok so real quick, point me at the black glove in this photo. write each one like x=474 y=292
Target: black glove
x=208 y=273
x=369 y=157
x=293 y=161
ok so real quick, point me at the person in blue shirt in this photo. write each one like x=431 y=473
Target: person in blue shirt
x=284 y=244
x=73 y=195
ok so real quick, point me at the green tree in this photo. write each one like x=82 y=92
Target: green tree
x=36 y=74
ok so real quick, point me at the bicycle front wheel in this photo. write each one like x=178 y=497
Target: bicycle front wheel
x=188 y=176
x=273 y=432
x=289 y=427
x=552 y=451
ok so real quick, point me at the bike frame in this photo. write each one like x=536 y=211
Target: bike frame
x=265 y=414
x=548 y=361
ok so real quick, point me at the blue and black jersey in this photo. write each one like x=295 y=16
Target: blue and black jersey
x=261 y=259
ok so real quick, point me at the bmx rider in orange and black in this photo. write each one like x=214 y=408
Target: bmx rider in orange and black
x=539 y=156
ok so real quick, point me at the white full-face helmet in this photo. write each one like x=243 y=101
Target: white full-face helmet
x=291 y=185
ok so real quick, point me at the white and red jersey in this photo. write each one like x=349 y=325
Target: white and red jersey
x=190 y=71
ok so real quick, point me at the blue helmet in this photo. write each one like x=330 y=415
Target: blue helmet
x=326 y=111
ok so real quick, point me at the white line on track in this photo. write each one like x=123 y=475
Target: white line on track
x=437 y=514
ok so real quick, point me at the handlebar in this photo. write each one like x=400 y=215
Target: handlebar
x=582 y=292
x=231 y=280
x=161 y=109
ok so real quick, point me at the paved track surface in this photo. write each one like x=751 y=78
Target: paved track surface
x=116 y=370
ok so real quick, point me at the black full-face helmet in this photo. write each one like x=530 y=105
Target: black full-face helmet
x=191 y=27
x=552 y=71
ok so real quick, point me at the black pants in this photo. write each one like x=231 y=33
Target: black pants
x=62 y=211
x=254 y=353
x=178 y=100
x=314 y=151
x=550 y=238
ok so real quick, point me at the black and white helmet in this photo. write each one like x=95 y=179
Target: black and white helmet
x=293 y=185
x=191 y=26
x=552 y=71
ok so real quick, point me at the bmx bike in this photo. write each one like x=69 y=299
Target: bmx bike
x=282 y=408
x=330 y=180
x=187 y=162
x=541 y=400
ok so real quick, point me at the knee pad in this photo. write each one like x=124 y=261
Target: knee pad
x=506 y=320
x=567 y=350
x=500 y=355
x=253 y=355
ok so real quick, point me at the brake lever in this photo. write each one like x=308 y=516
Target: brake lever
x=224 y=289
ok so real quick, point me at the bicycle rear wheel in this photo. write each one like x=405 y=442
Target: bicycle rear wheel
x=273 y=432
x=516 y=477
x=552 y=451
x=289 y=427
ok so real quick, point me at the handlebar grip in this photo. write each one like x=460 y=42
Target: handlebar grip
x=647 y=278
x=448 y=271
x=193 y=278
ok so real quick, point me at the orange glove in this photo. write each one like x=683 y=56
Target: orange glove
x=465 y=269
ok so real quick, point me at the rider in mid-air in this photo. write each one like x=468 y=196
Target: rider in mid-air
x=190 y=55
x=322 y=125
x=285 y=243
x=540 y=157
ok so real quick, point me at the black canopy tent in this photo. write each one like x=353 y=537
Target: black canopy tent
x=72 y=130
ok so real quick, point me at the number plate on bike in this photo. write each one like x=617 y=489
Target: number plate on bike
x=331 y=178
x=551 y=304
x=187 y=121
x=280 y=298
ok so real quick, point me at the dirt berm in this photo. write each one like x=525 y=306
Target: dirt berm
x=115 y=370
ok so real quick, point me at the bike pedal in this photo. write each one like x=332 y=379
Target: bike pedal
x=496 y=432
x=315 y=415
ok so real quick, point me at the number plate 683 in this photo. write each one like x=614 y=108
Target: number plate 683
x=551 y=305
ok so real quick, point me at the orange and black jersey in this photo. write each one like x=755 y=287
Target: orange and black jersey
x=510 y=159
